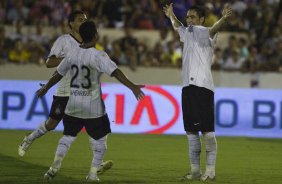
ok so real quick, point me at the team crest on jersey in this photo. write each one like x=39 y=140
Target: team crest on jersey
x=58 y=110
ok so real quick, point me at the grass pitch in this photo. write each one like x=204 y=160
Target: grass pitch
x=144 y=159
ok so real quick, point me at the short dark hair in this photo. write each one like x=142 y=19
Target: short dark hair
x=88 y=31
x=201 y=12
x=73 y=15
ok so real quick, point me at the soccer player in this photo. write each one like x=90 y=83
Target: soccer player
x=198 y=87
x=85 y=106
x=61 y=47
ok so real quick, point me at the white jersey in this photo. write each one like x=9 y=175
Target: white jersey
x=197 y=56
x=60 y=48
x=86 y=67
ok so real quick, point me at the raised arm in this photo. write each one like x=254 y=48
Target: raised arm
x=168 y=9
x=56 y=77
x=125 y=81
x=226 y=14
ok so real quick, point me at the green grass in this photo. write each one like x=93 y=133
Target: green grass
x=140 y=159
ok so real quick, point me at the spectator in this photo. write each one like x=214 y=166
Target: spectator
x=217 y=60
x=242 y=45
x=19 y=54
x=232 y=45
x=38 y=36
x=2 y=12
x=238 y=6
x=18 y=33
x=5 y=46
x=211 y=18
x=279 y=51
x=18 y=13
x=234 y=62
x=129 y=46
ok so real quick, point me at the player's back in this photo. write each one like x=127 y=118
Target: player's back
x=86 y=67
x=61 y=47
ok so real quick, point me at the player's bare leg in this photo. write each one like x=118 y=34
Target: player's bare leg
x=43 y=128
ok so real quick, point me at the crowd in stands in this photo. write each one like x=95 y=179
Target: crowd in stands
x=260 y=20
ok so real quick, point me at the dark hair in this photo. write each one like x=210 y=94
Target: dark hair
x=88 y=31
x=199 y=10
x=73 y=15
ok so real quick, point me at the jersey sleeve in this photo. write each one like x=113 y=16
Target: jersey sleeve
x=214 y=40
x=201 y=32
x=63 y=67
x=57 y=48
x=181 y=31
x=104 y=64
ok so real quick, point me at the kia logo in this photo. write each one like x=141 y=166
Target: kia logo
x=157 y=100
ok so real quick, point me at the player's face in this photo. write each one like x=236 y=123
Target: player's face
x=79 y=19
x=193 y=18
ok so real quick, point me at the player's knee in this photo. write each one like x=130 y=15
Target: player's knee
x=102 y=143
x=51 y=124
x=64 y=144
x=209 y=135
x=67 y=140
x=99 y=145
x=210 y=140
x=192 y=133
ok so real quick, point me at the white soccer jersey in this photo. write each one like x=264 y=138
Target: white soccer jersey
x=86 y=67
x=60 y=48
x=197 y=56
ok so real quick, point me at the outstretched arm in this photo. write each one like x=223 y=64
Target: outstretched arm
x=168 y=9
x=56 y=77
x=125 y=81
x=226 y=14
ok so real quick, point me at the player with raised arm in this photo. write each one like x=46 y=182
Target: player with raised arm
x=85 y=106
x=198 y=87
x=60 y=48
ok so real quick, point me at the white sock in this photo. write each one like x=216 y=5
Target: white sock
x=211 y=149
x=62 y=149
x=194 y=152
x=99 y=148
x=41 y=130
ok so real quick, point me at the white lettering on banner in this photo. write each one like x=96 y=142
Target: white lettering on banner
x=238 y=112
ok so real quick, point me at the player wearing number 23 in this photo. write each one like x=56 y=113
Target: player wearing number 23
x=85 y=106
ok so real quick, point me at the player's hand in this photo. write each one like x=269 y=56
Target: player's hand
x=168 y=10
x=139 y=94
x=42 y=91
x=227 y=11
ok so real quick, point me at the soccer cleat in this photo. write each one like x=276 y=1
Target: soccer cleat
x=24 y=146
x=191 y=177
x=207 y=178
x=51 y=173
x=105 y=166
x=92 y=178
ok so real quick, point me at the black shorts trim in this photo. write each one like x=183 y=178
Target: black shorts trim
x=198 y=109
x=58 y=107
x=95 y=127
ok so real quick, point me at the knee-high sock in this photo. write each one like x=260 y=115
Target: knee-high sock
x=211 y=149
x=99 y=148
x=38 y=132
x=62 y=149
x=194 y=152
